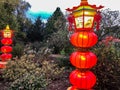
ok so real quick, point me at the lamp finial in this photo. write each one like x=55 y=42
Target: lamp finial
x=7 y=27
x=84 y=2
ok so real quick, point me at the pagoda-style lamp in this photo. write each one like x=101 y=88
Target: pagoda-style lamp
x=7 y=33
x=82 y=20
x=84 y=16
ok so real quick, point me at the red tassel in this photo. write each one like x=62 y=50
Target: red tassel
x=71 y=21
x=97 y=19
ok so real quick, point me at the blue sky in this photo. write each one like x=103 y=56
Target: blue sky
x=47 y=7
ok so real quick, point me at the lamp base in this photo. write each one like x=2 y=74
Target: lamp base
x=72 y=88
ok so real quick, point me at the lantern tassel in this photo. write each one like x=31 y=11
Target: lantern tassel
x=70 y=20
x=97 y=19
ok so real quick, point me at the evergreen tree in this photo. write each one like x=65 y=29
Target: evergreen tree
x=57 y=32
x=36 y=32
x=55 y=22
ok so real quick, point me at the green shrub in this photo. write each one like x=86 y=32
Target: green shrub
x=26 y=75
x=107 y=69
x=29 y=82
x=18 y=50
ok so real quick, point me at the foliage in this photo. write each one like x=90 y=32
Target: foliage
x=108 y=66
x=27 y=75
x=18 y=50
x=59 y=41
x=36 y=32
x=56 y=22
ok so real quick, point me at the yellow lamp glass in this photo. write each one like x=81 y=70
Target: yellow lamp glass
x=84 y=17
x=7 y=34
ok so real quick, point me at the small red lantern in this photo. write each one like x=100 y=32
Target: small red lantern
x=7 y=33
x=6 y=41
x=6 y=56
x=84 y=39
x=83 y=60
x=82 y=80
x=6 y=49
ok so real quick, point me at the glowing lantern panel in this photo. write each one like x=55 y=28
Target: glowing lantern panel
x=83 y=60
x=83 y=39
x=6 y=41
x=6 y=49
x=82 y=80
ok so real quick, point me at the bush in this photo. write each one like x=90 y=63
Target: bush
x=18 y=50
x=107 y=69
x=26 y=75
x=29 y=82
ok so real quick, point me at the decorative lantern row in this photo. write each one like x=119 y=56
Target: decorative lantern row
x=81 y=22
x=6 y=49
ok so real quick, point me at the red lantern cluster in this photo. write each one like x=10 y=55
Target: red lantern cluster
x=81 y=22
x=6 y=49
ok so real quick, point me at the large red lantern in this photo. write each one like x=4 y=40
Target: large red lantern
x=6 y=56
x=6 y=49
x=84 y=39
x=6 y=41
x=83 y=60
x=82 y=80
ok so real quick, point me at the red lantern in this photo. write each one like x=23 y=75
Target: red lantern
x=82 y=80
x=6 y=56
x=83 y=59
x=83 y=39
x=6 y=41
x=6 y=49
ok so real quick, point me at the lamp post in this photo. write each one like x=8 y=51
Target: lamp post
x=6 y=41
x=82 y=20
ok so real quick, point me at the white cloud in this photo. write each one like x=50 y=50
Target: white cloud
x=50 y=5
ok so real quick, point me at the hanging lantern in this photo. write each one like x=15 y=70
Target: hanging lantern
x=7 y=33
x=83 y=39
x=6 y=56
x=83 y=60
x=6 y=49
x=6 y=41
x=83 y=15
x=82 y=80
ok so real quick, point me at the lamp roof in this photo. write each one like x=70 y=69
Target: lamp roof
x=85 y=3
